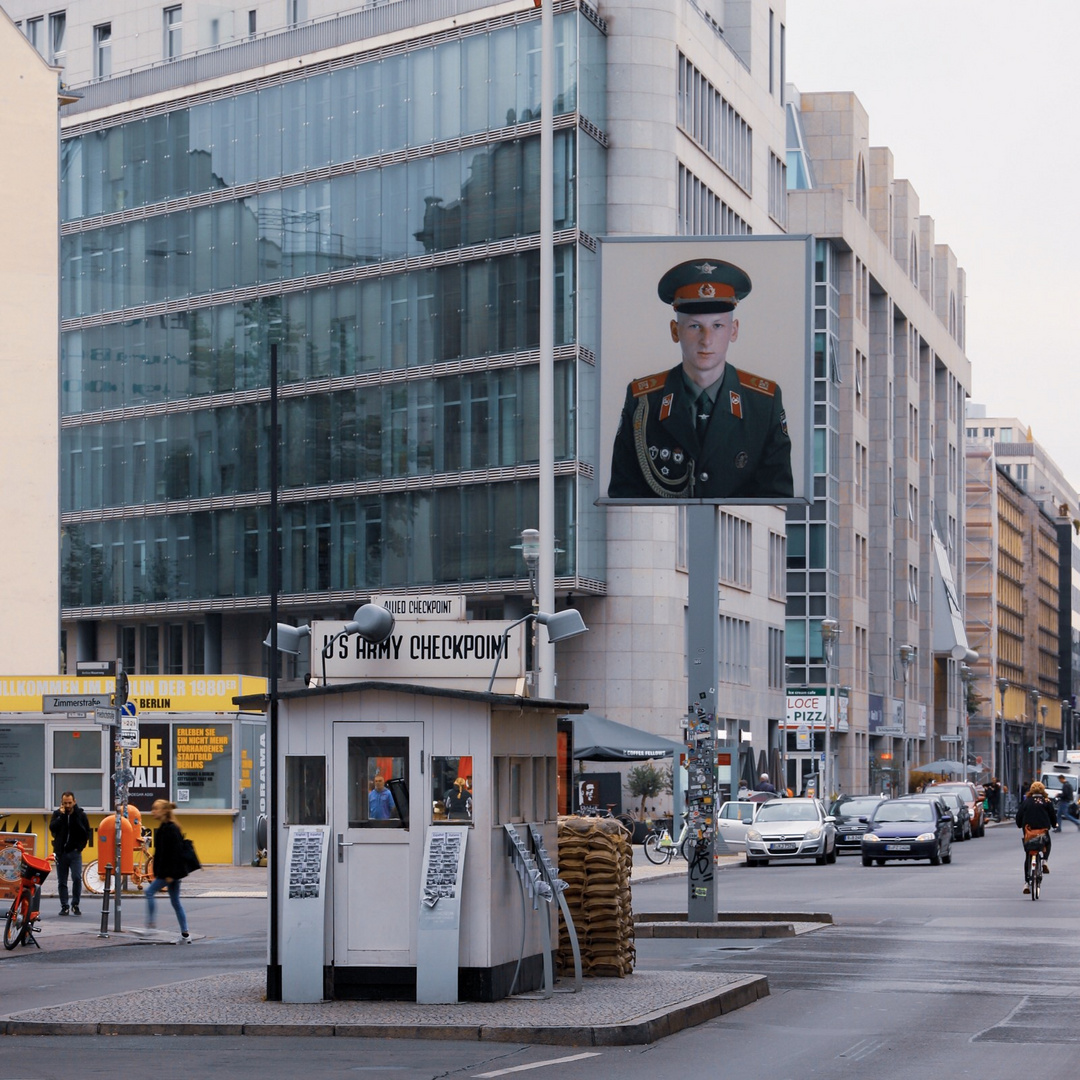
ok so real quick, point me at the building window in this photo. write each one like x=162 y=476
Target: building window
x=251 y=22
x=174 y=32
x=297 y=11
x=103 y=51
x=703 y=213
x=57 y=29
x=35 y=32
x=777 y=189
x=706 y=117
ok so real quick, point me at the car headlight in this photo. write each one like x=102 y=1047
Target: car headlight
x=814 y=833
x=923 y=838
x=753 y=834
x=872 y=837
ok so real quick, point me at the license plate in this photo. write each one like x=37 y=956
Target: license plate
x=784 y=847
x=897 y=847
x=851 y=838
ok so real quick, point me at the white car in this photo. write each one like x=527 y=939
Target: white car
x=791 y=829
x=734 y=821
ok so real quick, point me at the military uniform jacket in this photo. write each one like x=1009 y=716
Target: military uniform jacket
x=746 y=451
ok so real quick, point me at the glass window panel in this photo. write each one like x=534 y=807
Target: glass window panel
x=474 y=58
x=86 y=787
x=378 y=771
x=305 y=790
x=342 y=126
x=76 y=749
x=452 y=789
x=448 y=91
x=421 y=82
x=393 y=105
x=270 y=129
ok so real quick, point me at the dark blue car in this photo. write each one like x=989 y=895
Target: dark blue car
x=910 y=828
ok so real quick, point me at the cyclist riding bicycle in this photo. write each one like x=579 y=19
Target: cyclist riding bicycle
x=1036 y=817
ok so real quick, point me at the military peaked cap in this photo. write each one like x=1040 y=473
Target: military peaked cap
x=701 y=286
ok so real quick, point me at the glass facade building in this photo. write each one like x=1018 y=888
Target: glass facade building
x=375 y=217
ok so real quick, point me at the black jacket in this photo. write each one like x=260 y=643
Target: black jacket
x=1036 y=812
x=168 y=851
x=70 y=832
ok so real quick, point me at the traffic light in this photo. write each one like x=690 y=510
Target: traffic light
x=120 y=695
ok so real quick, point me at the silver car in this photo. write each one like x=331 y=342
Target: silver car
x=791 y=829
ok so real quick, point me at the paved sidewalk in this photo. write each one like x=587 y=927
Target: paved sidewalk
x=638 y=1009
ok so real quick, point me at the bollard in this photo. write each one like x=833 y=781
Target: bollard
x=103 y=932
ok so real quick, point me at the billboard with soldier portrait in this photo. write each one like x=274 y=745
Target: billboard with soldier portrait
x=706 y=361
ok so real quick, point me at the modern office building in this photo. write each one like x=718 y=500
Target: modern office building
x=1023 y=599
x=359 y=191
x=879 y=549
x=29 y=305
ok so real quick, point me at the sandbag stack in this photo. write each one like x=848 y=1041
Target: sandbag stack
x=595 y=860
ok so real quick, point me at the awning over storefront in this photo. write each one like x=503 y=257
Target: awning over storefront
x=596 y=738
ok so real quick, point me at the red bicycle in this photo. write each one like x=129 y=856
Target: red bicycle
x=22 y=918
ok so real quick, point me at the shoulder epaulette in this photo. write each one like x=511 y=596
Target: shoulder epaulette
x=648 y=384
x=756 y=382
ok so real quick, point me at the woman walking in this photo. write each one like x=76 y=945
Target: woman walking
x=169 y=865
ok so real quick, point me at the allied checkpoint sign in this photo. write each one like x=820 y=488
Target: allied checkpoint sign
x=764 y=399
x=432 y=643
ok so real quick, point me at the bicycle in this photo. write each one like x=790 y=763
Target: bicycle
x=1034 y=848
x=660 y=848
x=625 y=820
x=142 y=869
x=23 y=917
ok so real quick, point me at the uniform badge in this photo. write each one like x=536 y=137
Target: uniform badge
x=665 y=454
x=677 y=457
x=653 y=452
x=736 y=404
x=783 y=421
x=742 y=458
x=665 y=406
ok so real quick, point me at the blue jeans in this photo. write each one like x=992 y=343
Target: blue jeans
x=153 y=889
x=69 y=863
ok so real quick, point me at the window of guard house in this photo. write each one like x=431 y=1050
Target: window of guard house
x=452 y=790
x=378 y=783
x=305 y=790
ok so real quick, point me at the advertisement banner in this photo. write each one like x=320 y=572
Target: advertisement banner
x=730 y=316
x=150 y=766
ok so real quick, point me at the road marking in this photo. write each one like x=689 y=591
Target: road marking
x=537 y=1065
x=862 y=1049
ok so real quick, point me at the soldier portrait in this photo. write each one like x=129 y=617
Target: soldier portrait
x=710 y=423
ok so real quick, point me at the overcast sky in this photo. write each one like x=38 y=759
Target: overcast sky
x=978 y=99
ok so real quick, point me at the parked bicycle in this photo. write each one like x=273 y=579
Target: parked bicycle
x=23 y=917
x=660 y=848
x=142 y=869
x=627 y=821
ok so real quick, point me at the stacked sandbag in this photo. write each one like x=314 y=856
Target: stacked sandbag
x=595 y=860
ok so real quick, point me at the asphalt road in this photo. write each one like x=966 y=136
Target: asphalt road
x=927 y=972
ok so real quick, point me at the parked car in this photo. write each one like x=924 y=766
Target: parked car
x=851 y=813
x=968 y=792
x=791 y=829
x=734 y=821
x=961 y=815
x=909 y=828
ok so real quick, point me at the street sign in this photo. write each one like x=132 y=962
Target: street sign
x=129 y=732
x=107 y=716
x=951 y=738
x=95 y=667
x=56 y=703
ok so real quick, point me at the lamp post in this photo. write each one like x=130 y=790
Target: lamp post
x=1066 y=725
x=1039 y=756
x=560 y=626
x=967 y=677
x=907 y=655
x=530 y=552
x=1002 y=685
x=1034 y=696
x=830 y=631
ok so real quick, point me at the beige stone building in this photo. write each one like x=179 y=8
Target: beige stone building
x=29 y=314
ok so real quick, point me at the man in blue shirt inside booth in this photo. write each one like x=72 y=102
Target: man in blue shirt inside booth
x=380 y=801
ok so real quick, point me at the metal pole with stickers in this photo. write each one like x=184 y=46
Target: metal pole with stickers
x=703 y=675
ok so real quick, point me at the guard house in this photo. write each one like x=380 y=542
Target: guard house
x=381 y=764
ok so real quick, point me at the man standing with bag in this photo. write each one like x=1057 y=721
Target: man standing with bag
x=70 y=832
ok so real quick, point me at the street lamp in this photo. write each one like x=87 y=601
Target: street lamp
x=563 y=624
x=907 y=655
x=1002 y=685
x=830 y=632
x=1034 y=695
x=1039 y=757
